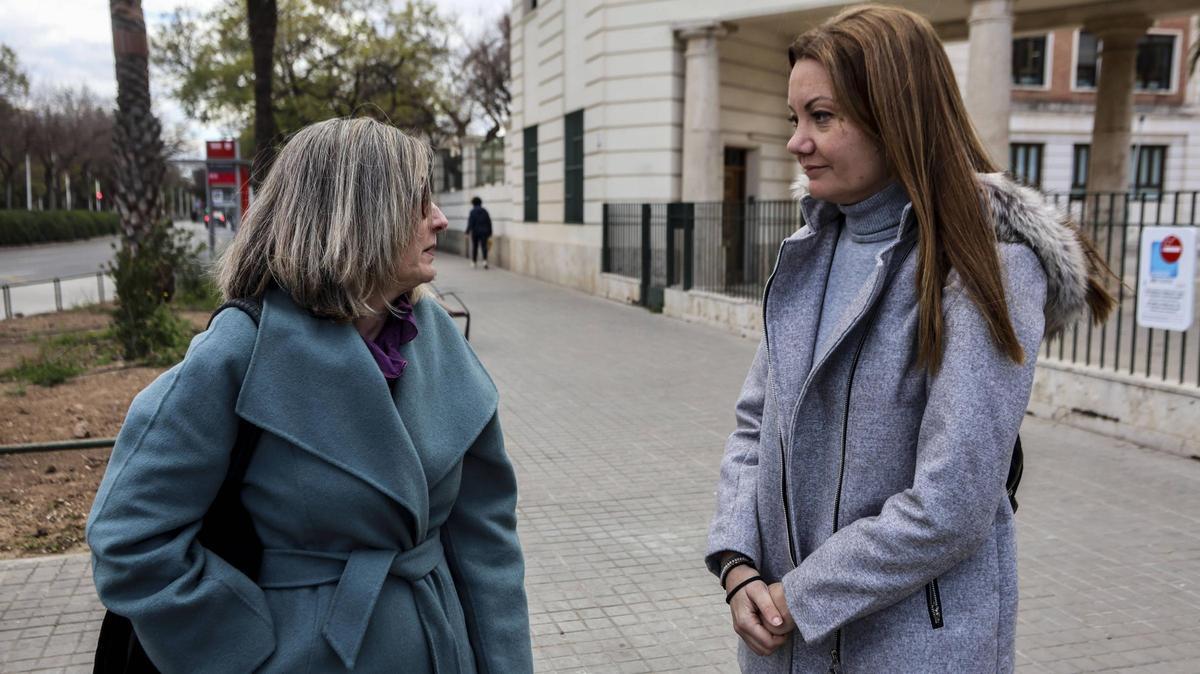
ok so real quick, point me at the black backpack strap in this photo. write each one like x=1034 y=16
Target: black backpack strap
x=227 y=529
x=252 y=306
x=1015 y=469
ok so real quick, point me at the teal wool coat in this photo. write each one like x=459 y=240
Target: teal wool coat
x=388 y=517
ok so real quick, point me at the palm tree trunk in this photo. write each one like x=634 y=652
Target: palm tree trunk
x=137 y=135
x=262 y=18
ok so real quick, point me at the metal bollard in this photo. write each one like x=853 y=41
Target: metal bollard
x=7 y=302
x=58 y=295
x=100 y=286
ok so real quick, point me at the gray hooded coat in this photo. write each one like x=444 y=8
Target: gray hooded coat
x=873 y=490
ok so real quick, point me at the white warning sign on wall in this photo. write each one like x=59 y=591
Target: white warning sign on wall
x=1167 y=278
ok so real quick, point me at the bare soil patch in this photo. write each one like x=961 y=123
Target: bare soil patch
x=45 y=497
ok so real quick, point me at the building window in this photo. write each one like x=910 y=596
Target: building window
x=1025 y=163
x=1155 y=55
x=1155 y=59
x=447 y=171
x=1087 y=53
x=1149 y=166
x=531 y=174
x=489 y=162
x=1079 y=167
x=573 y=167
x=1029 y=61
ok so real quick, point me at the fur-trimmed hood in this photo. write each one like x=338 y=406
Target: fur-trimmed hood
x=1022 y=215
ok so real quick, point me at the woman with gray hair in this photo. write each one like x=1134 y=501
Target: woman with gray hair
x=377 y=483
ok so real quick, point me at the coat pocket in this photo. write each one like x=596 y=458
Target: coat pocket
x=933 y=599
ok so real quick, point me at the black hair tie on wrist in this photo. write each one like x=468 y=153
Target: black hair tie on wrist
x=744 y=583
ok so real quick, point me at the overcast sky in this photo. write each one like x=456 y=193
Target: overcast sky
x=69 y=43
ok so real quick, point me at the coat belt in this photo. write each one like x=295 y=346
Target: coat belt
x=360 y=576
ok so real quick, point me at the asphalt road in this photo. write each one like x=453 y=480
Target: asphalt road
x=47 y=261
x=84 y=259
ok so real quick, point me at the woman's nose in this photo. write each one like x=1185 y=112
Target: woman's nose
x=439 y=219
x=801 y=143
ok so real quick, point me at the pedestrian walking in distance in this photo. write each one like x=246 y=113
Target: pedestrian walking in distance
x=479 y=228
x=379 y=486
x=862 y=520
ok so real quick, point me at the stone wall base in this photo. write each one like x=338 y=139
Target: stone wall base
x=1136 y=409
x=1145 y=412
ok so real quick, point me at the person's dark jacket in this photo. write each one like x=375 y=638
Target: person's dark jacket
x=479 y=223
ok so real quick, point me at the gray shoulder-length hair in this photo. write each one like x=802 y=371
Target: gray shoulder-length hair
x=339 y=205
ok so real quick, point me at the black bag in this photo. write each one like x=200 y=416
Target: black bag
x=226 y=531
x=1015 y=469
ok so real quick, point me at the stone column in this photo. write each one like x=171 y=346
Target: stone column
x=469 y=148
x=1108 y=166
x=989 y=74
x=703 y=156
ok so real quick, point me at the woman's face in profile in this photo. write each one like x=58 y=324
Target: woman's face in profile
x=843 y=164
x=416 y=261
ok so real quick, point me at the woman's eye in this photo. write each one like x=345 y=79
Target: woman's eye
x=821 y=117
x=793 y=120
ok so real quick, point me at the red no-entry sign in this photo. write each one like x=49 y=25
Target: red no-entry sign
x=1171 y=249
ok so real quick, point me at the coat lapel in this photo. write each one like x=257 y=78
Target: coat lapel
x=313 y=383
x=793 y=306
x=445 y=396
x=797 y=295
x=867 y=295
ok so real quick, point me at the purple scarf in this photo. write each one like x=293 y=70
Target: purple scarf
x=397 y=331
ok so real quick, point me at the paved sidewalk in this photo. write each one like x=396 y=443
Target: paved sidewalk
x=616 y=419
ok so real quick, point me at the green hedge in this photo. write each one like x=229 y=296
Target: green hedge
x=19 y=228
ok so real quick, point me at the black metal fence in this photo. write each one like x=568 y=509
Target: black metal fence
x=729 y=248
x=1115 y=223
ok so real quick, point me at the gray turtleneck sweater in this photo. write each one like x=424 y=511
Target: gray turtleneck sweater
x=866 y=229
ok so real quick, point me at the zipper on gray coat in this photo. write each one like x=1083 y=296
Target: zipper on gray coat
x=835 y=662
x=933 y=599
x=835 y=654
x=787 y=519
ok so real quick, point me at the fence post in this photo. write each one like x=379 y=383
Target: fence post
x=689 y=240
x=644 y=300
x=100 y=286
x=605 y=262
x=58 y=295
x=672 y=214
x=7 y=302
